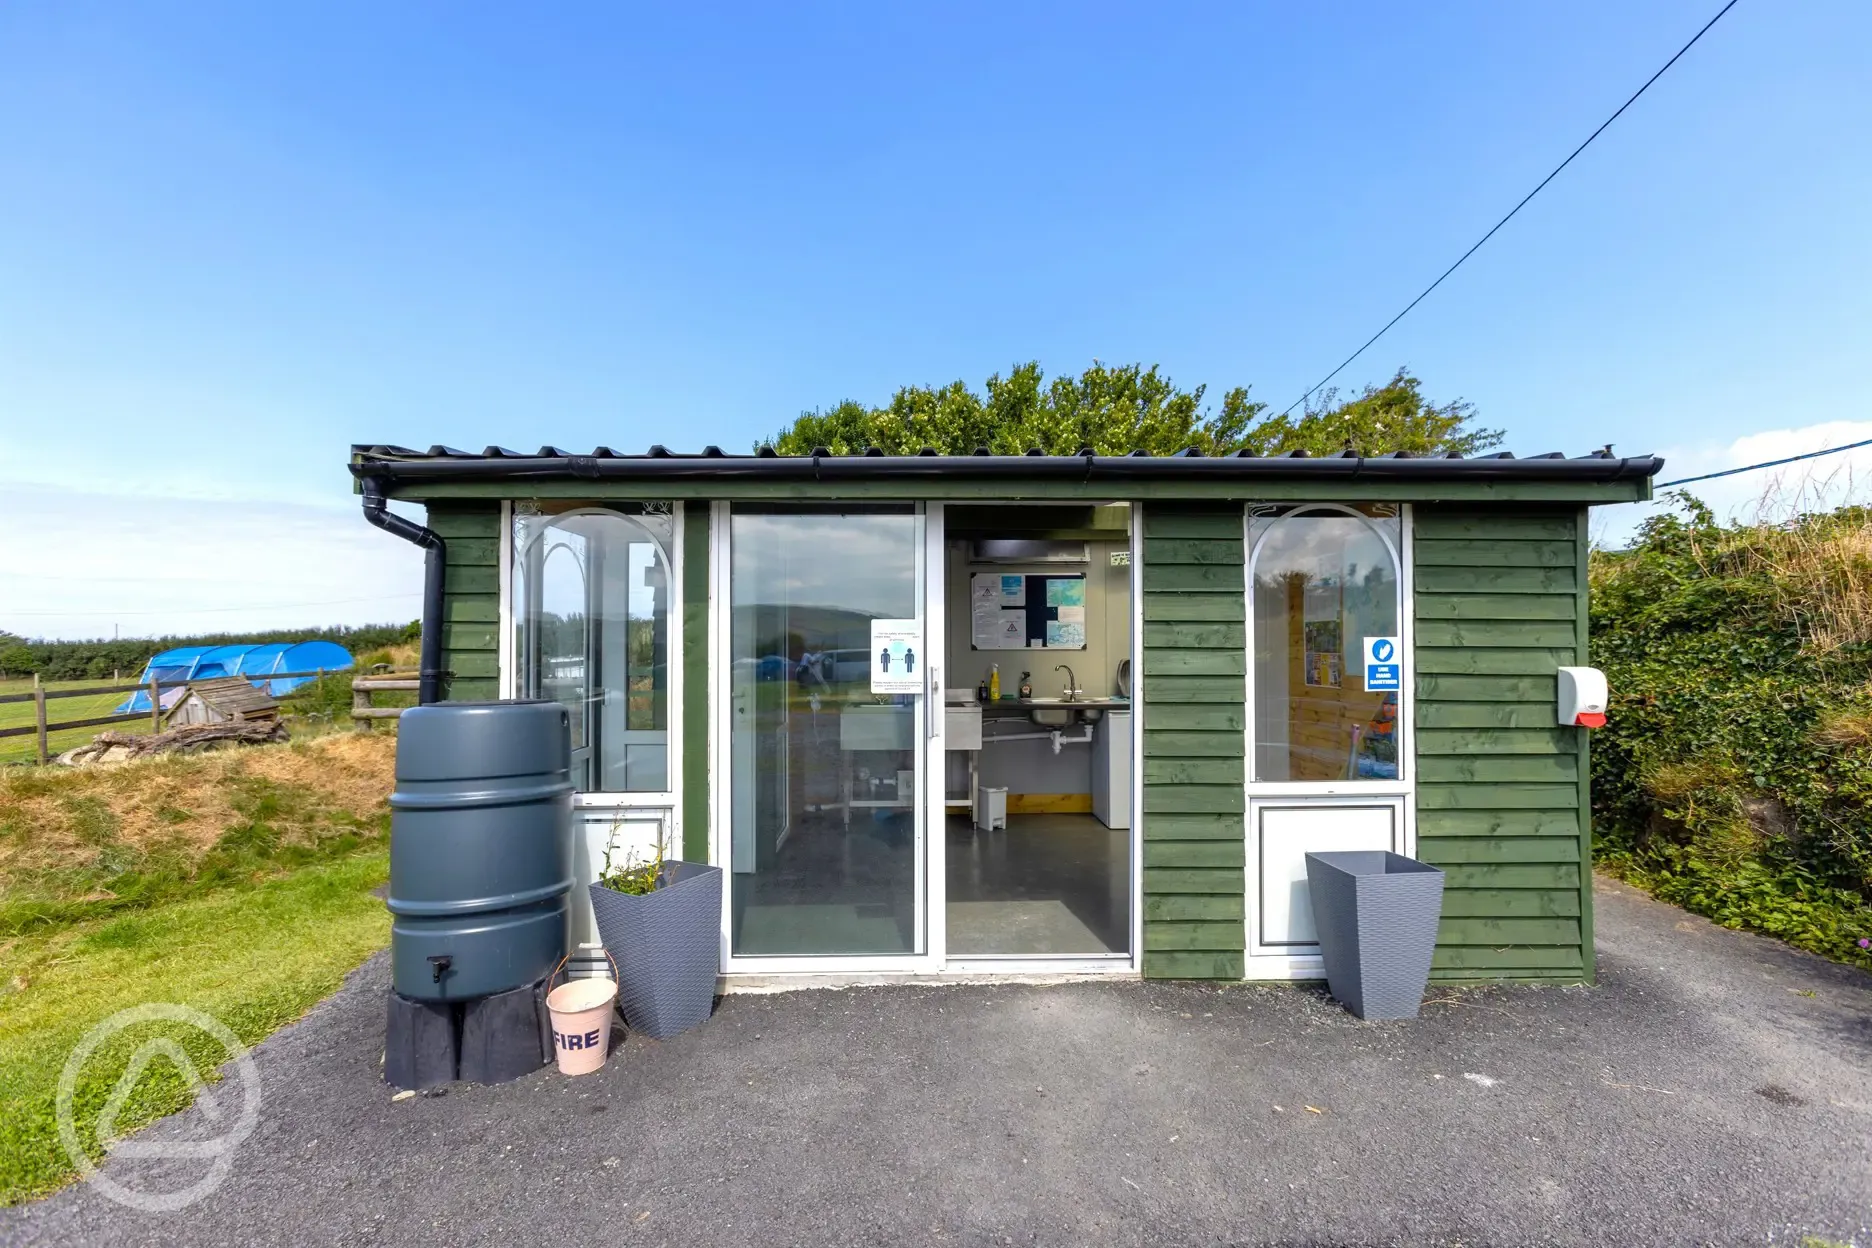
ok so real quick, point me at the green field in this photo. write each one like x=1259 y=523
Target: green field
x=23 y=749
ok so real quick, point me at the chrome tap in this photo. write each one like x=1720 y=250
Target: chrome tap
x=1072 y=682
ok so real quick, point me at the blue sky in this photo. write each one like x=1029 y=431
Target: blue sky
x=236 y=239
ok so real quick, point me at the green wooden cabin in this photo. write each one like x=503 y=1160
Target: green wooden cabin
x=1203 y=708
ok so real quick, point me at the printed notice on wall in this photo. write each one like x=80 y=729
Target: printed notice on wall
x=998 y=611
x=1065 y=591
x=896 y=665
x=1064 y=633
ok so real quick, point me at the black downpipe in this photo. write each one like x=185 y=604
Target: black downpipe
x=435 y=560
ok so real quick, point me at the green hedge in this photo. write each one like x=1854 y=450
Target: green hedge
x=96 y=660
x=1734 y=773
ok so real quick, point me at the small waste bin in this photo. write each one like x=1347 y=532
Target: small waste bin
x=991 y=809
x=1376 y=913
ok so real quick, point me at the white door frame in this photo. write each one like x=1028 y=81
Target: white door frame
x=1399 y=794
x=932 y=839
x=1109 y=964
x=927 y=839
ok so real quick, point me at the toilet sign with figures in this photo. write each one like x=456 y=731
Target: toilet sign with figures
x=896 y=664
x=1384 y=667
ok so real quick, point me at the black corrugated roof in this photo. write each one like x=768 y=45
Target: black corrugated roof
x=441 y=463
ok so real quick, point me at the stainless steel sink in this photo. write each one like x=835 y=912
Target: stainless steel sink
x=1063 y=712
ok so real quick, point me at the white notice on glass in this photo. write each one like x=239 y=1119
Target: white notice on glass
x=896 y=665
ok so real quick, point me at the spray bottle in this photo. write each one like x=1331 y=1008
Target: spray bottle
x=994 y=682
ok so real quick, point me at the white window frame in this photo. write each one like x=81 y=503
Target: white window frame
x=662 y=802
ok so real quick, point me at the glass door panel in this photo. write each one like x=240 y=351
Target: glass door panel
x=591 y=593
x=826 y=828
x=1321 y=581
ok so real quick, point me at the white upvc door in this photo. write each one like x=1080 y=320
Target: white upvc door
x=621 y=824
x=1288 y=819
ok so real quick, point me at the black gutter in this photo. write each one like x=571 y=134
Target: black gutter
x=434 y=563
x=1079 y=468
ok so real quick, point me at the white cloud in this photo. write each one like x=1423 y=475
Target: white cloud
x=1809 y=485
x=77 y=564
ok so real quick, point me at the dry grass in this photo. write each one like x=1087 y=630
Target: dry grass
x=404 y=655
x=1845 y=728
x=1822 y=571
x=1705 y=799
x=1812 y=536
x=59 y=817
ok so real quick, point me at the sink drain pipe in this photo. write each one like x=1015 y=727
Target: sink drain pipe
x=1054 y=736
x=434 y=564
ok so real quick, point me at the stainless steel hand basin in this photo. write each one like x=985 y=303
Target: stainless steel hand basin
x=1061 y=712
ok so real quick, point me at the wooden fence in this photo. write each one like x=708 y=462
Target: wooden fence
x=40 y=696
x=363 y=687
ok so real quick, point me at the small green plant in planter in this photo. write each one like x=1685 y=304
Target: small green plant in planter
x=636 y=877
x=660 y=920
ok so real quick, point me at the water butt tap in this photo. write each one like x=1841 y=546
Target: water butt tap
x=439 y=964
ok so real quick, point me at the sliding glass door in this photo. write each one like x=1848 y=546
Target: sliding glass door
x=826 y=826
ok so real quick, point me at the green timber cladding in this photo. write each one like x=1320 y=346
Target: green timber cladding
x=1502 y=799
x=1498 y=584
x=1501 y=789
x=471 y=602
x=1194 y=698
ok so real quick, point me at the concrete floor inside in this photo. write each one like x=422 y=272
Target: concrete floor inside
x=1056 y=885
x=1046 y=886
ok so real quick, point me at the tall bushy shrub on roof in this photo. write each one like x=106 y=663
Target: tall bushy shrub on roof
x=1114 y=410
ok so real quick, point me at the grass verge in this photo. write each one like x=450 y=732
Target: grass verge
x=255 y=956
x=236 y=883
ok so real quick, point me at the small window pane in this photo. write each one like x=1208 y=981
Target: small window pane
x=1323 y=581
x=591 y=608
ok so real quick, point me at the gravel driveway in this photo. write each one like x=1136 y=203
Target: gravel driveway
x=1713 y=1088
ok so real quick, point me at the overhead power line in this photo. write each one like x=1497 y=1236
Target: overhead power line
x=1766 y=463
x=1511 y=212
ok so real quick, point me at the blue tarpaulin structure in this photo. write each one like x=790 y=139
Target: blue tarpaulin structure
x=254 y=662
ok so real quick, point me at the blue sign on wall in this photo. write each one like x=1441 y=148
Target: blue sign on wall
x=1384 y=665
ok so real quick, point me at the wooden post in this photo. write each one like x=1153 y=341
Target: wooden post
x=155 y=707
x=361 y=701
x=39 y=716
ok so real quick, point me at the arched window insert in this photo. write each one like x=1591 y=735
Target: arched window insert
x=591 y=615
x=1321 y=579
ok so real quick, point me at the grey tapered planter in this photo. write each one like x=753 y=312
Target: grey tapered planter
x=1376 y=913
x=667 y=945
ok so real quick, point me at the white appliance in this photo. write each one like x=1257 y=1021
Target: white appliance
x=1111 y=769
